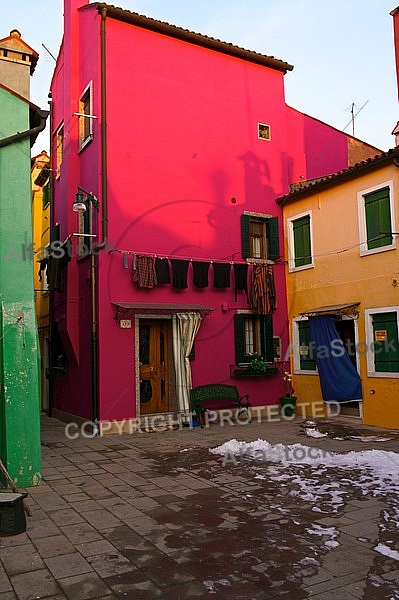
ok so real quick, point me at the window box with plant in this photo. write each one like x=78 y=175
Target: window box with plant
x=256 y=367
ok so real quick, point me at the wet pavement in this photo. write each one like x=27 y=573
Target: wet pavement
x=157 y=515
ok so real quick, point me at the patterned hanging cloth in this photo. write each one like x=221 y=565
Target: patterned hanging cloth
x=259 y=289
x=144 y=271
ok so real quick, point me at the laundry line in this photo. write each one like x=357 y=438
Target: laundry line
x=179 y=257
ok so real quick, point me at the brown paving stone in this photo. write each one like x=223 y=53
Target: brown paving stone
x=135 y=586
x=84 y=587
x=22 y=559
x=81 y=532
x=14 y=540
x=41 y=528
x=96 y=547
x=69 y=516
x=67 y=565
x=101 y=519
x=54 y=545
x=50 y=501
x=164 y=571
x=76 y=498
x=107 y=565
x=36 y=584
x=8 y=596
x=5 y=585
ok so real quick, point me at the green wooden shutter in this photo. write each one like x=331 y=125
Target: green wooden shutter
x=46 y=195
x=272 y=238
x=239 y=338
x=267 y=344
x=302 y=249
x=386 y=356
x=378 y=218
x=307 y=354
x=245 y=237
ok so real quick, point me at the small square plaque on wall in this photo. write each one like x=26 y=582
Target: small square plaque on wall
x=125 y=324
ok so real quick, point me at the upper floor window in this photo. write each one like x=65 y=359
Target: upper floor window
x=259 y=237
x=86 y=122
x=376 y=219
x=59 y=149
x=300 y=242
x=264 y=132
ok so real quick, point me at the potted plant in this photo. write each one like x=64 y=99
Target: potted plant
x=258 y=366
x=288 y=401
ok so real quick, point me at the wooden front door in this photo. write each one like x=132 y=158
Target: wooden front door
x=153 y=357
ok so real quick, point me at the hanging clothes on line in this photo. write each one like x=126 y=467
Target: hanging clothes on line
x=259 y=289
x=271 y=290
x=162 y=270
x=125 y=260
x=144 y=271
x=200 y=274
x=241 y=279
x=221 y=275
x=179 y=271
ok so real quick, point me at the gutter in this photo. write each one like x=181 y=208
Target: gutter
x=34 y=132
x=104 y=222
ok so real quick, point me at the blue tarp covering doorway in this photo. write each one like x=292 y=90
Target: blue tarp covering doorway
x=339 y=380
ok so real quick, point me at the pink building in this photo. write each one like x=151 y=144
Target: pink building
x=179 y=145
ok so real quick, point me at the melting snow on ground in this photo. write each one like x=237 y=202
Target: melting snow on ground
x=377 y=470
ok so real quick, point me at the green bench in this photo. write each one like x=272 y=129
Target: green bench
x=216 y=396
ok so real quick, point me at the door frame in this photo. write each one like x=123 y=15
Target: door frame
x=137 y=318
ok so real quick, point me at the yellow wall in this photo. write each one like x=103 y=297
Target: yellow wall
x=340 y=275
x=41 y=237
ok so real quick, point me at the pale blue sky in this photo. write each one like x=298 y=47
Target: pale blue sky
x=342 y=51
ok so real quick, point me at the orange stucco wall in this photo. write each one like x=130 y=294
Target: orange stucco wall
x=341 y=275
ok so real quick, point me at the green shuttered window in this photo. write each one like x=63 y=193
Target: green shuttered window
x=307 y=353
x=378 y=219
x=253 y=336
x=259 y=237
x=302 y=243
x=386 y=344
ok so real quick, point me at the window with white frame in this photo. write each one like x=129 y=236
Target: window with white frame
x=376 y=219
x=382 y=341
x=86 y=116
x=304 y=349
x=300 y=255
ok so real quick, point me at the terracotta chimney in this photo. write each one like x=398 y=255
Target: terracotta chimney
x=17 y=63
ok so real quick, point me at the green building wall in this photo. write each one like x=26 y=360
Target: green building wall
x=19 y=349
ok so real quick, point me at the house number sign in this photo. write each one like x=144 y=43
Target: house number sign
x=125 y=323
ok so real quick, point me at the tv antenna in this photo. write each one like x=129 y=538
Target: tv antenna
x=47 y=50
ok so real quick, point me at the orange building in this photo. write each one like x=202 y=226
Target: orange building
x=341 y=237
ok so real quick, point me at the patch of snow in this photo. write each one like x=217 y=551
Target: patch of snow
x=314 y=433
x=383 y=549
